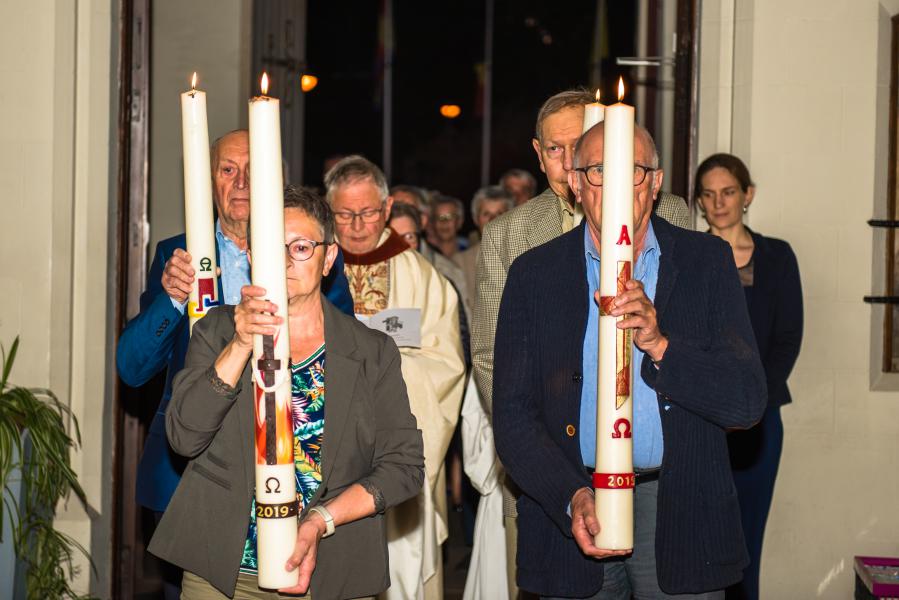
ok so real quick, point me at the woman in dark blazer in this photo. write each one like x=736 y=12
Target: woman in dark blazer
x=357 y=449
x=770 y=278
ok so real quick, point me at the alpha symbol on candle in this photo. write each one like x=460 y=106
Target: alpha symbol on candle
x=624 y=238
x=621 y=429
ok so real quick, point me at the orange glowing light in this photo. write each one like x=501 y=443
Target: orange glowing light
x=308 y=82
x=450 y=111
x=597 y=94
x=193 y=81
x=620 y=89
x=263 y=84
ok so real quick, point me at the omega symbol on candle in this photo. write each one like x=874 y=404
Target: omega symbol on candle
x=205 y=264
x=621 y=429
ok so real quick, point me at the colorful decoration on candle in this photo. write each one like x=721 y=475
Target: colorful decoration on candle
x=614 y=477
x=276 y=494
x=198 y=216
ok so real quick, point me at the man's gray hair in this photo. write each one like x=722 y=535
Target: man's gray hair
x=421 y=196
x=576 y=97
x=639 y=130
x=441 y=199
x=352 y=169
x=519 y=174
x=490 y=192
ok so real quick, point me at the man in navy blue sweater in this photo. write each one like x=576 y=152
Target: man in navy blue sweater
x=697 y=374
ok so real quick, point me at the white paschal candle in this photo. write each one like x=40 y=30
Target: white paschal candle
x=276 y=495
x=198 y=219
x=593 y=113
x=614 y=478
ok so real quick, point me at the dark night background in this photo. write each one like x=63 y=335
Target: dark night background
x=540 y=48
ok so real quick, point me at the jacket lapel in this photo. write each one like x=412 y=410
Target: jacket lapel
x=668 y=269
x=341 y=371
x=548 y=222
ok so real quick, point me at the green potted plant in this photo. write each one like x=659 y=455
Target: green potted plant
x=43 y=470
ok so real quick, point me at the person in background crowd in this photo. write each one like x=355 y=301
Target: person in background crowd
x=559 y=125
x=520 y=183
x=447 y=217
x=769 y=274
x=385 y=273
x=697 y=373
x=156 y=339
x=339 y=369
x=416 y=197
x=488 y=203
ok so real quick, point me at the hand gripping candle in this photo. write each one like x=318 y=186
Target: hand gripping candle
x=204 y=293
x=276 y=496
x=613 y=479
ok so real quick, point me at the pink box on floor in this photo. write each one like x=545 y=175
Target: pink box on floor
x=876 y=577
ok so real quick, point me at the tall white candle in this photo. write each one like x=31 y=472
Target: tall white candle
x=614 y=476
x=198 y=217
x=276 y=495
x=593 y=113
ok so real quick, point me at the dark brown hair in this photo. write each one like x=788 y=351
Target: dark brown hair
x=730 y=163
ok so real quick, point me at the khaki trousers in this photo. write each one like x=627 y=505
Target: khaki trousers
x=197 y=588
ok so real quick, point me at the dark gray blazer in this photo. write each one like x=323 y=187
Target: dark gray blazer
x=370 y=434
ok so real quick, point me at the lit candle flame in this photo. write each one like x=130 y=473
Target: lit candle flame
x=264 y=83
x=193 y=81
x=597 y=94
x=620 y=89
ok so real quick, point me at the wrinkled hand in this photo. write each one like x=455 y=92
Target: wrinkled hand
x=254 y=315
x=584 y=525
x=178 y=276
x=640 y=315
x=305 y=553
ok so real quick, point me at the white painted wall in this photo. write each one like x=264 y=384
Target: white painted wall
x=798 y=89
x=211 y=37
x=56 y=120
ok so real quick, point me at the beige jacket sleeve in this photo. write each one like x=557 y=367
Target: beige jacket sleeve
x=491 y=279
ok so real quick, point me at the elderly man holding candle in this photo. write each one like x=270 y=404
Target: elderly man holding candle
x=385 y=273
x=156 y=339
x=696 y=374
x=560 y=122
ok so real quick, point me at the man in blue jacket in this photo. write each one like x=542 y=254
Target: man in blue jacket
x=697 y=373
x=157 y=337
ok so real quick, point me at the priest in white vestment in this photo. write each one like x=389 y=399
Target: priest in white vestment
x=384 y=274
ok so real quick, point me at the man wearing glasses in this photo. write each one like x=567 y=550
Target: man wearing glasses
x=559 y=125
x=697 y=373
x=447 y=216
x=385 y=273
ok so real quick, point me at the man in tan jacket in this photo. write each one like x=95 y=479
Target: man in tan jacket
x=549 y=215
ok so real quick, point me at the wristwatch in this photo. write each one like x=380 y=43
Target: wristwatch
x=329 y=520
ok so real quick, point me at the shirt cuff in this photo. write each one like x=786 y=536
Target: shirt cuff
x=179 y=306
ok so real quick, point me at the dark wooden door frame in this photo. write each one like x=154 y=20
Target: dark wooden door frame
x=130 y=272
x=686 y=100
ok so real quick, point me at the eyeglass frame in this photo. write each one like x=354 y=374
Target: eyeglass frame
x=646 y=171
x=354 y=215
x=315 y=244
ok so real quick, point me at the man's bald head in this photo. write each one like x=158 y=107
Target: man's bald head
x=649 y=155
x=238 y=137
